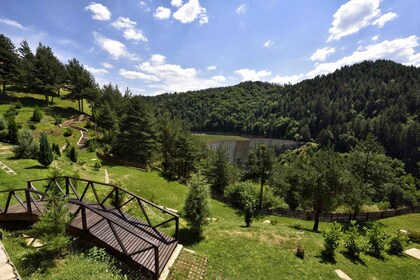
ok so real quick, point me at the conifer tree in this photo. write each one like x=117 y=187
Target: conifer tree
x=37 y=115
x=8 y=62
x=45 y=156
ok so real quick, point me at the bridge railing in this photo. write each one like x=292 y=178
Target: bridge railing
x=102 y=194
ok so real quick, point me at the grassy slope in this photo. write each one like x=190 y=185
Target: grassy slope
x=260 y=252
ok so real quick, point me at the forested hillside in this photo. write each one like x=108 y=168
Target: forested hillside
x=382 y=97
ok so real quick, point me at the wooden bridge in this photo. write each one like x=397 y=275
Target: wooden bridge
x=107 y=215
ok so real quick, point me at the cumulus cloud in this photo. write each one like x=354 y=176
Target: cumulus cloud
x=211 y=68
x=293 y=79
x=322 y=54
x=241 y=9
x=96 y=71
x=400 y=50
x=144 y=6
x=375 y=38
x=355 y=15
x=11 y=22
x=130 y=32
x=252 y=75
x=268 y=43
x=164 y=77
x=380 y=22
x=107 y=65
x=114 y=48
x=190 y=11
x=162 y=13
x=176 y=3
x=99 y=11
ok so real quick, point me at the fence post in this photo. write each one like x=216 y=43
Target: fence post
x=67 y=186
x=156 y=263
x=28 y=199
x=84 y=223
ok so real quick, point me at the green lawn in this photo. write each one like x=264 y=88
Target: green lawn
x=207 y=138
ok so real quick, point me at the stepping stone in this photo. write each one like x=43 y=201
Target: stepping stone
x=7 y=272
x=342 y=275
x=3 y=257
x=268 y=222
x=413 y=252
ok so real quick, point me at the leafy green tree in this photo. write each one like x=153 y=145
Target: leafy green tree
x=197 y=203
x=27 y=145
x=259 y=166
x=45 y=156
x=8 y=62
x=37 y=115
x=138 y=135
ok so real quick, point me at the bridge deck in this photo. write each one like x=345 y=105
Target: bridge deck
x=105 y=234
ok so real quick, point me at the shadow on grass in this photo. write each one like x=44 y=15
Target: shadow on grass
x=323 y=258
x=166 y=176
x=353 y=259
x=63 y=112
x=39 y=167
x=38 y=261
x=186 y=236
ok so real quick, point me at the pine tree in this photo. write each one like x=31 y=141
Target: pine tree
x=37 y=115
x=185 y=156
x=26 y=76
x=45 y=156
x=218 y=169
x=197 y=207
x=12 y=130
x=73 y=154
x=8 y=62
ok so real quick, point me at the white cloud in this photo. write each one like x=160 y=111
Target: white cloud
x=157 y=59
x=12 y=23
x=162 y=13
x=211 y=68
x=164 y=77
x=375 y=38
x=176 y=3
x=293 y=79
x=96 y=71
x=134 y=34
x=138 y=75
x=107 y=65
x=144 y=6
x=355 y=15
x=123 y=23
x=114 y=48
x=252 y=75
x=190 y=11
x=399 y=50
x=268 y=43
x=380 y=22
x=322 y=54
x=241 y=9
x=130 y=32
x=100 y=12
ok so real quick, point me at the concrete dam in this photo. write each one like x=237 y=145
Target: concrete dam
x=238 y=150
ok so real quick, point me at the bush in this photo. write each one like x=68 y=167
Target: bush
x=31 y=125
x=45 y=155
x=37 y=115
x=27 y=147
x=91 y=145
x=376 y=240
x=238 y=194
x=56 y=149
x=72 y=154
x=3 y=123
x=97 y=165
x=300 y=251
x=396 y=244
x=57 y=119
x=352 y=241
x=68 y=132
x=331 y=240
x=414 y=236
x=249 y=209
x=17 y=104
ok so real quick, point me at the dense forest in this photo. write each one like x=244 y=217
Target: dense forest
x=381 y=97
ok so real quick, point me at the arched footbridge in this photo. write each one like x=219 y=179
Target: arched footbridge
x=107 y=215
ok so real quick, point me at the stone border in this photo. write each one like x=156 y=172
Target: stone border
x=7 y=268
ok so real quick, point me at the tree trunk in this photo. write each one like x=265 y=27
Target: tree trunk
x=261 y=195
x=316 y=223
x=4 y=89
x=46 y=99
x=82 y=105
x=58 y=91
x=78 y=104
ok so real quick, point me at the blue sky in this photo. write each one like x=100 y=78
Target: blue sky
x=178 y=45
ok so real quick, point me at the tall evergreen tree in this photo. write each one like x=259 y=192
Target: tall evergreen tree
x=217 y=172
x=45 y=156
x=8 y=62
x=185 y=156
x=26 y=75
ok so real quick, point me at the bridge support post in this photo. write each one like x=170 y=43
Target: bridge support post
x=67 y=185
x=28 y=200
x=156 y=262
x=84 y=223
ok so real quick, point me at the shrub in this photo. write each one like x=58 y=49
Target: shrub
x=72 y=154
x=45 y=155
x=249 y=211
x=239 y=192
x=57 y=119
x=3 y=123
x=376 y=240
x=196 y=207
x=31 y=125
x=300 y=251
x=27 y=145
x=414 y=236
x=91 y=145
x=37 y=115
x=68 y=132
x=17 y=104
x=352 y=241
x=396 y=244
x=56 y=149
x=97 y=165
x=331 y=240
